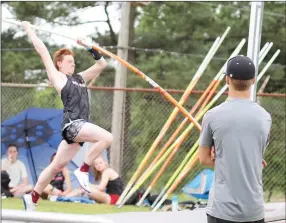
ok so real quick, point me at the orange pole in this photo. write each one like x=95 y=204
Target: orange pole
x=210 y=95
x=179 y=129
x=151 y=82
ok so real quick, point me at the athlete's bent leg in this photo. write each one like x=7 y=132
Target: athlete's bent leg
x=102 y=139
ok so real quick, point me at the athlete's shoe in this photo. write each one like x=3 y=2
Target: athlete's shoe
x=83 y=179
x=28 y=202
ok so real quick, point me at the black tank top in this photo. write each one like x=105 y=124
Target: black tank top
x=74 y=96
x=114 y=186
x=58 y=181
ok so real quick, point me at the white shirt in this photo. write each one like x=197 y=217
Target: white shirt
x=16 y=171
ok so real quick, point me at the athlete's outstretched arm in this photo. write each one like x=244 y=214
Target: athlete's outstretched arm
x=93 y=72
x=53 y=74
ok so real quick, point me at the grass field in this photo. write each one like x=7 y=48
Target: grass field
x=76 y=208
x=73 y=208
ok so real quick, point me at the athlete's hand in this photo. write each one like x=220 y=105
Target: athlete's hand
x=26 y=25
x=81 y=41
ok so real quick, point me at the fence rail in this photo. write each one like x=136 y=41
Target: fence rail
x=146 y=112
x=134 y=89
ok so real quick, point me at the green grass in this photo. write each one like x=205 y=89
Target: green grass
x=73 y=208
x=76 y=208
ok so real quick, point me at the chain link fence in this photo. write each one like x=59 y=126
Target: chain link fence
x=146 y=113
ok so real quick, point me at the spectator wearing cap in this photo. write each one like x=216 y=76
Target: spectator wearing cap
x=16 y=169
x=233 y=140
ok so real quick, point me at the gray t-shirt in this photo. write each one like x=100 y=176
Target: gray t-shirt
x=239 y=129
x=17 y=171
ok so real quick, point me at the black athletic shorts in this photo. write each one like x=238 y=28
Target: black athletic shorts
x=212 y=219
x=71 y=130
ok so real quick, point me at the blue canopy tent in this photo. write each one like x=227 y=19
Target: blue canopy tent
x=37 y=133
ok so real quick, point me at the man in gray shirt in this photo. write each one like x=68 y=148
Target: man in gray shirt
x=16 y=169
x=237 y=132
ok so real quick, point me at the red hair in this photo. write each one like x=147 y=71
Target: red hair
x=59 y=55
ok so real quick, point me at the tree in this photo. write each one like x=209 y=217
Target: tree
x=26 y=63
x=192 y=27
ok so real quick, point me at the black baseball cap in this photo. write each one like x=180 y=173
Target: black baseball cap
x=240 y=68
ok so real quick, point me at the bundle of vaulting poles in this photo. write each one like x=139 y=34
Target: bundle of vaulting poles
x=206 y=101
x=172 y=146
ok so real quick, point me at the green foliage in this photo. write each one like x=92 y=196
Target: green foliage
x=48 y=98
x=192 y=27
x=275 y=152
x=14 y=62
x=15 y=100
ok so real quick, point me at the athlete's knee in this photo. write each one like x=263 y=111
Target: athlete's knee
x=108 y=139
x=56 y=168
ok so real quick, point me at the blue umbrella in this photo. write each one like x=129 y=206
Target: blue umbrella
x=33 y=129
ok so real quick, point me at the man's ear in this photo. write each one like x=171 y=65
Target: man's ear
x=253 y=81
x=59 y=63
x=227 y=80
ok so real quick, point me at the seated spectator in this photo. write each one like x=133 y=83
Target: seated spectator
x=16 y=170
x=56 y=186
x=110 y=187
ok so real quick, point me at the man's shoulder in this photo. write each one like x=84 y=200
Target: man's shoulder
x=20 y=163
x=215 y=110
x=263 y=111
x=4 y=161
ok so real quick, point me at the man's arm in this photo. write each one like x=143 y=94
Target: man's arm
x=57 y=79
x=91 y=83
x=206 y=142
x=264 y=163
x=24 y=175
x=93 y=72
x=25 y=182
x=205 y=156
x=6 y=163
